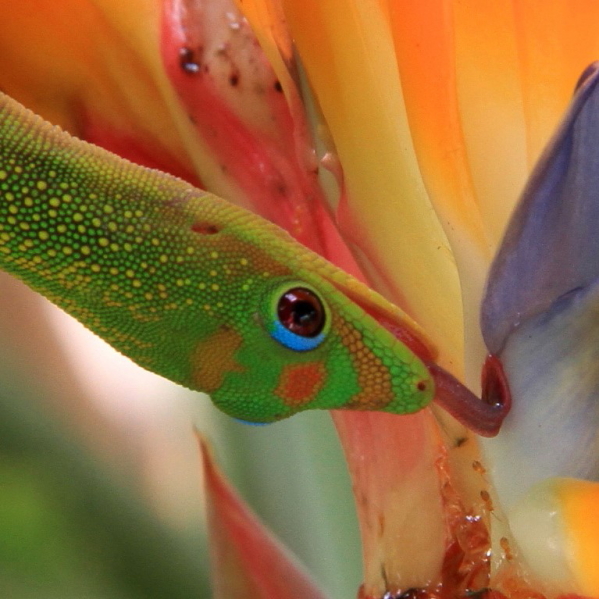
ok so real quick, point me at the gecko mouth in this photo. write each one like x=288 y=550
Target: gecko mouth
x=484 y=415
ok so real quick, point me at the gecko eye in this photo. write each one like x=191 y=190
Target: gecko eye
x=300 y=318
x=301 y=312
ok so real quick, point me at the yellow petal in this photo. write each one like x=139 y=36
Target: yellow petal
x=395 y=480
x=347 y=51
x=557 y=528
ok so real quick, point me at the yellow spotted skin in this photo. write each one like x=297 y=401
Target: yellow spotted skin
x=183 y=282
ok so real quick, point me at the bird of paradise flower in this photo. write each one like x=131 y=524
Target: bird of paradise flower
x=430 y=116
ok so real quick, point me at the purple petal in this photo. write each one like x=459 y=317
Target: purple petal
x=552 y=362
x=551 y=247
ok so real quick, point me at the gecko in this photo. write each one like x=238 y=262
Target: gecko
x=208 y=294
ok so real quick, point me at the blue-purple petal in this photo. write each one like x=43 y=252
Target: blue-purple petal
x=540 y=314
x=551 y=247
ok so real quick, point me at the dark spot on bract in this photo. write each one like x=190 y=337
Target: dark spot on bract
x=205 y=228
x=412 y=593
x=234 y=79
x=188 y=61
x=485 y=593
x=478 y=467
x=415 y=594
x=278 y=87
x=381 y=524
x=281 y=188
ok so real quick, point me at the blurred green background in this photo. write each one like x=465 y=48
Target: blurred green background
x=106 y=500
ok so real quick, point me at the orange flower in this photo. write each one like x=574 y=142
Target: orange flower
x=430 y=117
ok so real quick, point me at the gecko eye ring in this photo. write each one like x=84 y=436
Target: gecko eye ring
x=301 y=312
x=298 y=317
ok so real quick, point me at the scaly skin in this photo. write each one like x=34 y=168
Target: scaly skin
x=186 y=284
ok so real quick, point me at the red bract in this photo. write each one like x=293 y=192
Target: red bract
x=247 y=562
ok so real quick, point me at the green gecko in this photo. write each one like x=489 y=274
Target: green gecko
x=205 y=293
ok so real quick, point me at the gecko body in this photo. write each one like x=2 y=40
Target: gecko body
x=194 y=288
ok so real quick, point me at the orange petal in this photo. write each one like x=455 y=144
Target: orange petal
x=424 y=40
x=424 y=43
x=85 y=67
x=247 y=562
x=556 y=41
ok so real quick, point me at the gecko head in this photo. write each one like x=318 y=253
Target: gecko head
x=345 y=347
x=295 y=333
x=305 y=346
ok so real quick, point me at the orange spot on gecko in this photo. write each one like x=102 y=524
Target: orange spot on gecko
x=214 y=358
x=300 y=383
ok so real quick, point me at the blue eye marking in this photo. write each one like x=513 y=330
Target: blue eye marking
x=294 y=341
x=248 y=423
x=299 y=319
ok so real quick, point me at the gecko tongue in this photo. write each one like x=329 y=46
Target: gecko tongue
x=482 y=415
